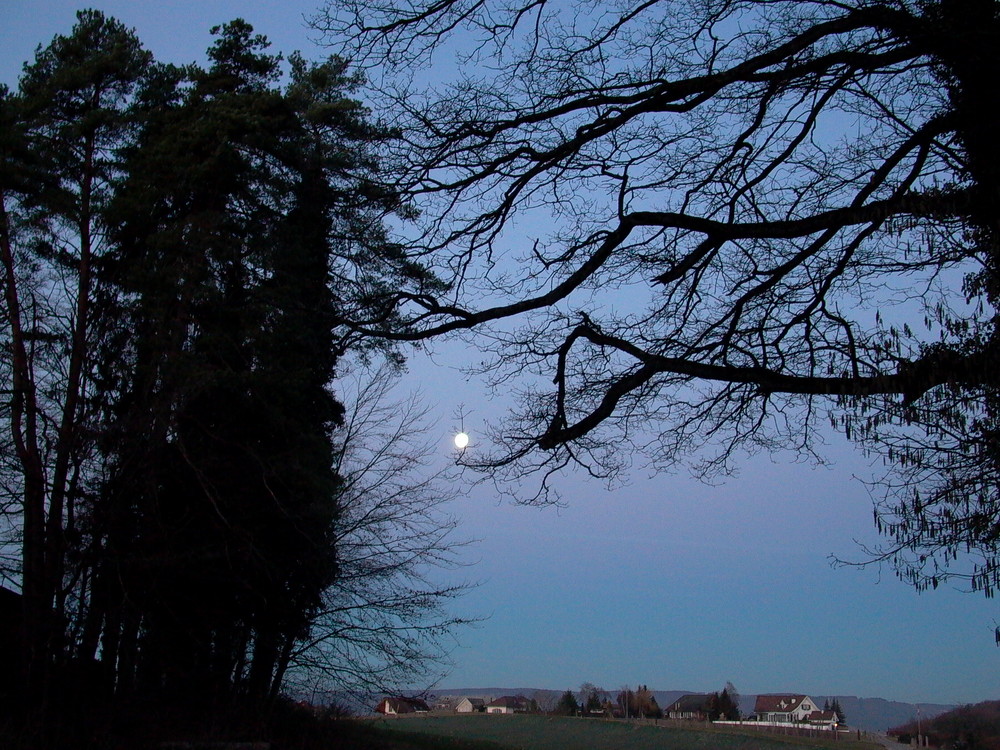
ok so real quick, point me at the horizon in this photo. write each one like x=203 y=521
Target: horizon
x=475 y=692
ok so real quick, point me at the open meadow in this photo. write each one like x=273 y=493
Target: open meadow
x=566 y=733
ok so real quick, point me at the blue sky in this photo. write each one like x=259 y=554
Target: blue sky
x=664 y=581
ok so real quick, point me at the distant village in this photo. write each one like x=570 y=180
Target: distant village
x=775 y=710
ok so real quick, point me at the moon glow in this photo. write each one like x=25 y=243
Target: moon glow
x=461 y=440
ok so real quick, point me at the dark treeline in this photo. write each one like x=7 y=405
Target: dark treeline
x=172 y=240
x=967 y=727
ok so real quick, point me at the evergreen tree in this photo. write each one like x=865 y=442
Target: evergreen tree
x=63 y=130
x=238 y=199
x=174 y=243
x=835 y=707
x=724 y=707
x=567 y=705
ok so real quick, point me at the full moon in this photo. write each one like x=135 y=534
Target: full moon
x=461 y=440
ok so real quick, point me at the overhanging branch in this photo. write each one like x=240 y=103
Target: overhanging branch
x=911 y=380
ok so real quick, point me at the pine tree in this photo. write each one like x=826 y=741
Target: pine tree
x=63 y=131
x=567 y=705
x=241 y=200
x=172 y=405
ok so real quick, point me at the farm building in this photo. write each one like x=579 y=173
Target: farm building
x=399 y=705
x=470 y=705
x=693 y=707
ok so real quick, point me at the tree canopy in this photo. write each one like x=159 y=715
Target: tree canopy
x=177 y=245
x=567 y=705
x=697 y=228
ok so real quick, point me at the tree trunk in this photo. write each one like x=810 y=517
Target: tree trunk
x=36 y=594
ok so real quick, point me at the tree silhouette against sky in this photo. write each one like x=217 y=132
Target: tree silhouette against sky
x=697 y=228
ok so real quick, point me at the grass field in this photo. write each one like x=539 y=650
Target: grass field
x=558 y=733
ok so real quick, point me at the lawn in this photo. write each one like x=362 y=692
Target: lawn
x=559 y=733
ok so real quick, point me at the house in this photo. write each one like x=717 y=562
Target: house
x=694 y=707
x=444 y=703
x=399 y=705
x=785 y=708
x=509 y=704
x=470 y=705
x=826 y=719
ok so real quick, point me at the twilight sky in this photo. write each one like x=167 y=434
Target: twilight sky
x=665 y=581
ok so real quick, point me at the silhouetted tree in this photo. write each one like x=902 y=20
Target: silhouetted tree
x=240 y=202
x=835 y=707
x=734 y=697
x=625 y=701
x=230 y=485
x=646 y=703
x=639 y=702
x=591 y=698
x=382 y=624
x=62 y=132
x=963 y=728
x=176 y=245
x=722 y=706
x=567 y=705
x=781 y=190
x=545 y=701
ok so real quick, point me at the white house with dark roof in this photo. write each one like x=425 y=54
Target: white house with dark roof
x=508 y=704
x=787 y=708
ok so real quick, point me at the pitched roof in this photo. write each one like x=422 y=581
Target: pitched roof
x=510 y=701
x=781 y=703
x=402 y=705
x=690 y=703
x=822 y=716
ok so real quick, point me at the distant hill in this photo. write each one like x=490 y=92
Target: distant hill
x=872 y=714
x=878 y=714
x=663 y=697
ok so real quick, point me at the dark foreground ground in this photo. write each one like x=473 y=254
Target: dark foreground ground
x=293 y=728
x=563 y=733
